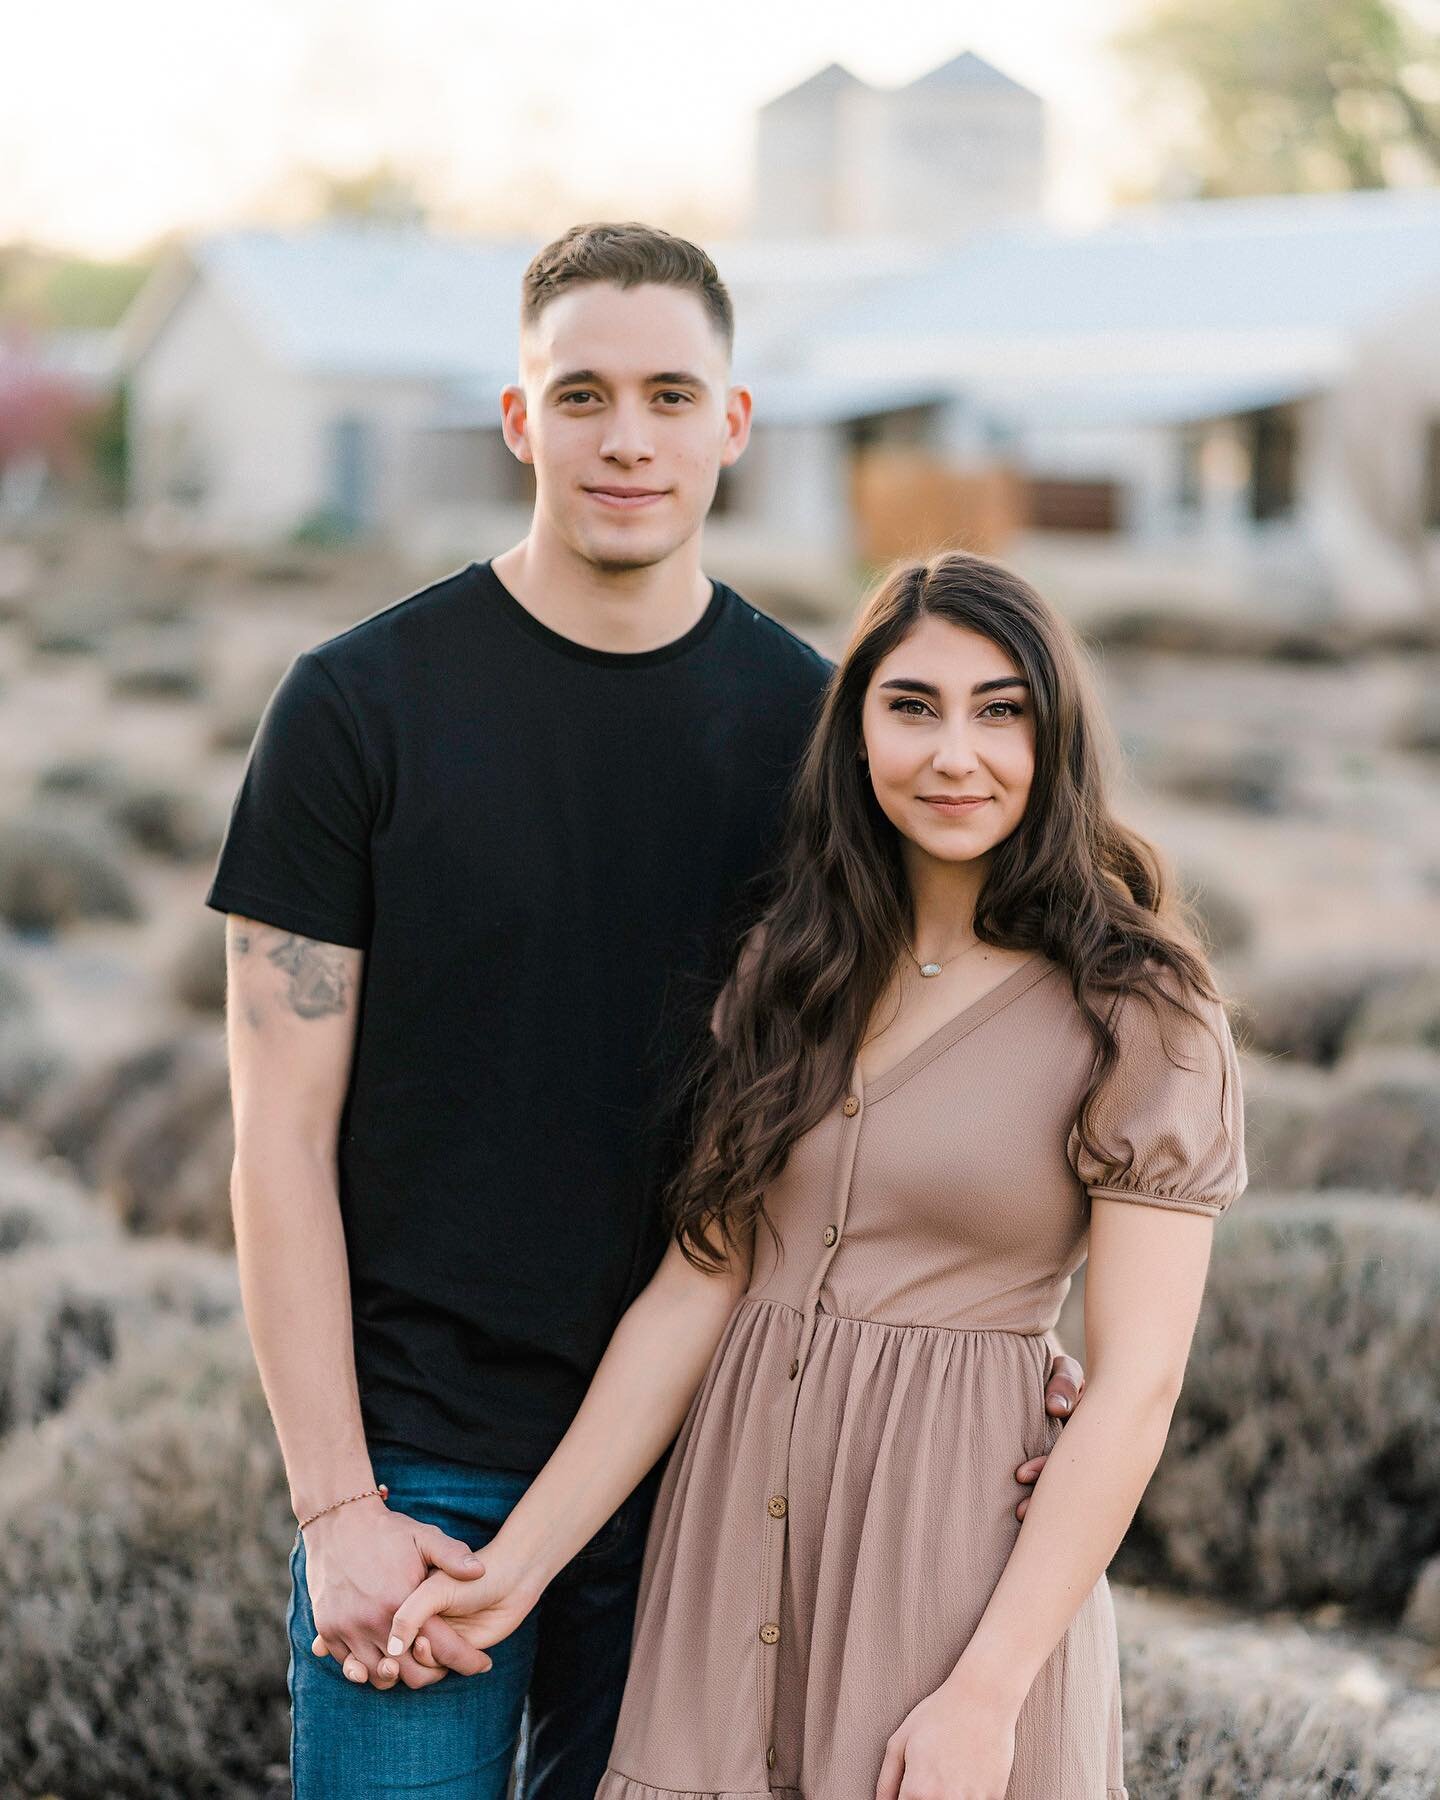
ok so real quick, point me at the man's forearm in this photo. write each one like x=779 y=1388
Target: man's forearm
x=295 y=1283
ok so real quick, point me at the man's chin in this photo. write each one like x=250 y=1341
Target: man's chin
x=617 y=557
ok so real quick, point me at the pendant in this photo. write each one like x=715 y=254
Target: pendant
x=928 y=969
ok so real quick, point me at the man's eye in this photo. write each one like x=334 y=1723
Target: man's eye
x=671 y=395
x=579 y=394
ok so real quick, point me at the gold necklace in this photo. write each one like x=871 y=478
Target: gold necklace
x=931 y=969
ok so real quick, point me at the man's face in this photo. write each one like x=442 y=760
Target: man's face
x=626 y=412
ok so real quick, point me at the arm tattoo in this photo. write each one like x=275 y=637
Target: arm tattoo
x=241 y=941
x=317 y=976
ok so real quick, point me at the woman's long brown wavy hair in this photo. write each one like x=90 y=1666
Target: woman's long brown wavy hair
x=1070 y=881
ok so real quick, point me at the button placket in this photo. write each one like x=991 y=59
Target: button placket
x=778 y=1506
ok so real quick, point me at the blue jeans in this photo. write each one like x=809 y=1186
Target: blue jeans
x=553 y=1693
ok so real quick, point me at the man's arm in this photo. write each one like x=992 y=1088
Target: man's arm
x=290 y=1026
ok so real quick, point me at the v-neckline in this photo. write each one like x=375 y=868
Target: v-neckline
x=953 y=1029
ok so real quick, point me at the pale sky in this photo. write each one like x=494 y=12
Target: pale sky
x=121 y=123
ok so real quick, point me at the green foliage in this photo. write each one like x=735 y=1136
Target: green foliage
x=1291 y=96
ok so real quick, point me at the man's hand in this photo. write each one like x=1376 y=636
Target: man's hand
x=361 y=1561
x=1063 y=1388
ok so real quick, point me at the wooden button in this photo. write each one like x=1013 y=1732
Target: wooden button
x=830 y=1234
x=851 y=1107
x=795 y=1368
x=769 y=1634
x=777 y=1506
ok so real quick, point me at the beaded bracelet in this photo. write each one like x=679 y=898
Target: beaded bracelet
x=382 y=1491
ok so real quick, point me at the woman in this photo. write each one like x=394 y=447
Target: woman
x=972 y=1039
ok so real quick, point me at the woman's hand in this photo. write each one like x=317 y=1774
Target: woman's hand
x=481 y=1607
x=957 y=1744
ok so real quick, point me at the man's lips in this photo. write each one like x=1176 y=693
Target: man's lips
x=625 y=499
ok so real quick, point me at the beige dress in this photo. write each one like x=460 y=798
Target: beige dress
x=840 y=1502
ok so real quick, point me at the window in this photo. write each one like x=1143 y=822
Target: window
x=1272 y=463
x=1431 y=493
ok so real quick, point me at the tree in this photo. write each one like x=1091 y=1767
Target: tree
x=1289 y=96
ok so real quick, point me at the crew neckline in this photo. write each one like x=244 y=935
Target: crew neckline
x=525 y=620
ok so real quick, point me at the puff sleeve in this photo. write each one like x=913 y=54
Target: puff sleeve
x=1171 y=1126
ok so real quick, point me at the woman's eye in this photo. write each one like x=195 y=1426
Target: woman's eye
x=1012 y=708
x=905 y=705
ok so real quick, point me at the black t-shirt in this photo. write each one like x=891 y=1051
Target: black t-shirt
x=549 y=854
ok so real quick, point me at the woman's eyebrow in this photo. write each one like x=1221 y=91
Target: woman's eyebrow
x=980 y=687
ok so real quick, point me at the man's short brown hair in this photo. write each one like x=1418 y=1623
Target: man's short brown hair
x=626 y=255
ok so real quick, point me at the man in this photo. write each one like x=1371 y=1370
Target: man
x=494 y=850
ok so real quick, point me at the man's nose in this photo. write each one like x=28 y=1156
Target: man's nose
x=627 y=436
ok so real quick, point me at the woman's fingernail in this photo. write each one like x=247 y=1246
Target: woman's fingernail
x=1063 y=1402
x=470 y=1562
x=395 y=1646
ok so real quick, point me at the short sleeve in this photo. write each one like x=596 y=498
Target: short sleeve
x=297 y=847
x=1171 y=1126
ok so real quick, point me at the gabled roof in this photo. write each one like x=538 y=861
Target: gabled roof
x=972 y=72
x=831 y=79
x=380 y=301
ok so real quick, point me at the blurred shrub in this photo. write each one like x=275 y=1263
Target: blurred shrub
x=52 y=873
x=151 y=817
x=1303 y=1460
x=1229 y=1708
x=1422 y=1612
x=27 y=1061
x=198 y=975
x=79 y=777
x=76 y=1111
x=152 y=1131
x=42 y=1203
x=1283 y=1100
x=1224 y=920
x=1255 y=778
x=66 y=1309
x=1186 y=632
x=1402 y=1013
x=1307 y=1009
x=236 y=714
x=156 y=662
x=1374 y=1124
x=70 y=625
x=143 y=1543
x=163 y=822
x=1419 y=726
x=164 y=1160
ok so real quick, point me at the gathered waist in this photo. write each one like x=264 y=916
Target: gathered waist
x=909 y=1328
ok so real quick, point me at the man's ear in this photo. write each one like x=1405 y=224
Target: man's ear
x=514 y=419
x=738 y=407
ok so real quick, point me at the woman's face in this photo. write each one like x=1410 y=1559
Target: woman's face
x=949 y=736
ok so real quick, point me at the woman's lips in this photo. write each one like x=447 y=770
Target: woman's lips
x=955 y=806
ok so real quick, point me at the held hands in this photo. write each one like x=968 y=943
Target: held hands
x=477 y=1602
x=1063 y=1388
x=360 y=1562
